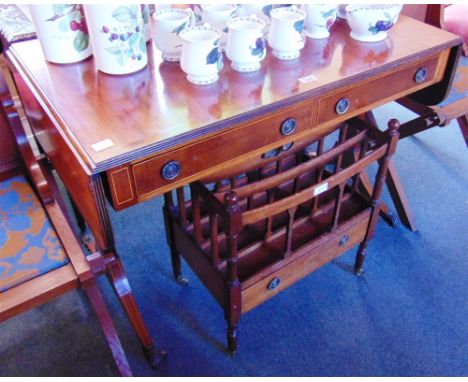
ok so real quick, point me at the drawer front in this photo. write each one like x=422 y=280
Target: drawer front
x=352 y=101
x=184 y=164
x=350 y=234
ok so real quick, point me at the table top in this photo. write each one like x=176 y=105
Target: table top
x=157 y=108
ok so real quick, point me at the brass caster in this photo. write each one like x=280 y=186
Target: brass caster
x=359 y=272
x=154 y=356
x=182 y=281
x=391 y=219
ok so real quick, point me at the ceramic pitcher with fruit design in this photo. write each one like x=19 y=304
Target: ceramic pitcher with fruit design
x=62 y=32
x=117 y=34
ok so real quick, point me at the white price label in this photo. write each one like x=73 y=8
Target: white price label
x=102 y=145
x=322 y=188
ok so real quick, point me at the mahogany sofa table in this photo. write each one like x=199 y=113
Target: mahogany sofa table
x=130 y=138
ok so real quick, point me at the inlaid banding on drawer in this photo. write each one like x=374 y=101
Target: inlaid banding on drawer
x=404 y=81
x=123 y=192
x=198 y=157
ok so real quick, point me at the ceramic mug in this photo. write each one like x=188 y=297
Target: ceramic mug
x=117 y=33
x=217 y=15
x=245 y=43
x=169 y=22
x=201 y=57
x=62 y=32
x=320 y=18
x=262 y=11
x=286 y=36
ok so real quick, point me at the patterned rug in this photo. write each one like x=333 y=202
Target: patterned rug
x=29 y=246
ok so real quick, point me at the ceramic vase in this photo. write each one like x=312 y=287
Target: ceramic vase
x=117 y=34
x=62 y=32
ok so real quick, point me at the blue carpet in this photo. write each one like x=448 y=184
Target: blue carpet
x=406 y=317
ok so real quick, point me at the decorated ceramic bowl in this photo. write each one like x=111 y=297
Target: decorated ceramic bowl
x=370 y=22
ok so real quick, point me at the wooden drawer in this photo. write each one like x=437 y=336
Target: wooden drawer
x=356 y=99
x=138 y=181
x=329 y=247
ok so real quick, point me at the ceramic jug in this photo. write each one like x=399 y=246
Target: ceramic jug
x=169 y=22
x=62 y=32
x=117 y=33
x=245 y=43
x=201 y=57
x=286 y=35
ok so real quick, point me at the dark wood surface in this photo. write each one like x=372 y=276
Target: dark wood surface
x=262 y=227
x=8 y=153
x=157 y=108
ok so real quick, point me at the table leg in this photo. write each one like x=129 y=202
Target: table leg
x=385 y=212
x=118 y=279
x=399 y=198
x=116 y=274
x=463 y=123
x=396 y=191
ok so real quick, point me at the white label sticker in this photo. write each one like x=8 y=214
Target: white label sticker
x=318 y=190
x=102 y=145
x=307 y=79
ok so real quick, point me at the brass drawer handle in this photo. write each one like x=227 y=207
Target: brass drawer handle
x=288 y=126
x=344 y=239
x=342 y=106
x=274 y=283
x=420 y=75
x=170 y=170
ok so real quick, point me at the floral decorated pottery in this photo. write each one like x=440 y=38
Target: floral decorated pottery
x=370 y=22
x=201 y=57
x=341 y=11
x=217 y=15
x=117 y=32
x=286 y=35
x=320 y=18
x=62 y=32
x=169 y=22
x=262 y=11
x=245 y=43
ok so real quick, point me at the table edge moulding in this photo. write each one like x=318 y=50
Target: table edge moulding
x=95 y=162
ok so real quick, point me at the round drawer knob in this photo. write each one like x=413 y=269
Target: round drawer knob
x=342 y=106
x=288 y=126
x=344 y=239
x=170 y=170
x=420 y=75
x=274 y=283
